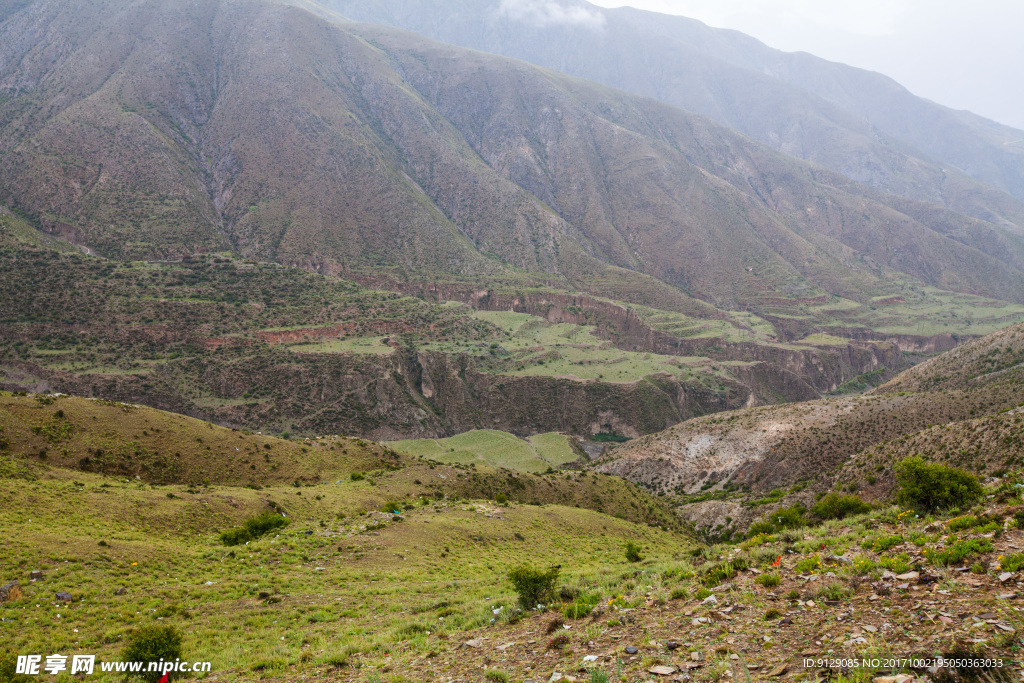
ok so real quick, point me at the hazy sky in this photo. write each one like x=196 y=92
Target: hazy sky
x=963 y=54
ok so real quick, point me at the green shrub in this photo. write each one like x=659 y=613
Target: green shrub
x=717 y=573
x=1011 y=563
x=633 y=552
x=962 y=522
x=834 y=591
x=500 y=499
x=151 y=644
x=808 y=564
x=768 y=580
x=884 y=543
x=234 y=537
x=898 y=564
x=836 y=506
x=357 y=476
x=783 y=518
x=678 y=594
x=931 y=487
x=534 y=586
x=577 y=610
x=959 y=551
x=496 y=676
x=772 y=614
x=253 y=528
x=8 y=667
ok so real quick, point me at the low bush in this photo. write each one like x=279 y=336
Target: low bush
x=834 y=591
x=959 y=551
x=962 y=522
x=836 y=506
x=808 y=564
x=534 y=586
x=898 y=564
x=1011 y=563
x=932 y=487
x=152 y=644
x=581 y=606
x=768 y=580
x=633 y=552
x=253 y=528
x=884 y=543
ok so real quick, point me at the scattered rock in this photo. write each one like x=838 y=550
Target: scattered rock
x=870 y=629
x=909 y=576
x=1006 y=596
x=696 y=656
x=1005 y=576
x=590 y=658
x=780 y=670
x=710 y=600
x=63 y=597
x=10 y=591
x=671 y=645
x=122 y=590
x=662 y=670
x=35 y=576
x=476 y=642
x=630 y=650
x=900 y=678
x=839 y=558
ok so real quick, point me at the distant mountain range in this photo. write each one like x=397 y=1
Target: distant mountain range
x=859 y=123
x=141 y=129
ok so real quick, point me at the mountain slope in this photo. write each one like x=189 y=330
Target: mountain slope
x=274 y=131
x=961 y=407
x=859 y=123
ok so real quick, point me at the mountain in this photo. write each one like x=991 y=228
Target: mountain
x=142 y=129
x=855 y=122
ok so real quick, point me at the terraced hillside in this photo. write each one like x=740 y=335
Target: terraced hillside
x=239 y=343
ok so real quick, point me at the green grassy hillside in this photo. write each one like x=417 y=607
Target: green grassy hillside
x=341 y=584
x=499 y=449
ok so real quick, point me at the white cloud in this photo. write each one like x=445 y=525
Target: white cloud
x=543 y=13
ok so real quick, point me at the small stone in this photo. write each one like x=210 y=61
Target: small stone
x=1005 y=576
x=475 y=642
x=780 y=670
x=35 y=576
x=590 y=658
x=672 y=645
x=710 y=600
x=870 y=629
x=734 y=656
x=505 y=646
x=630 y=650
x=902 y=586
x=63 y=597
x=1006 y=596
x=10 y=591
x=662 y=670
x=696 y=656
x=909 y=576
x=809 y=603
x=122 y=590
